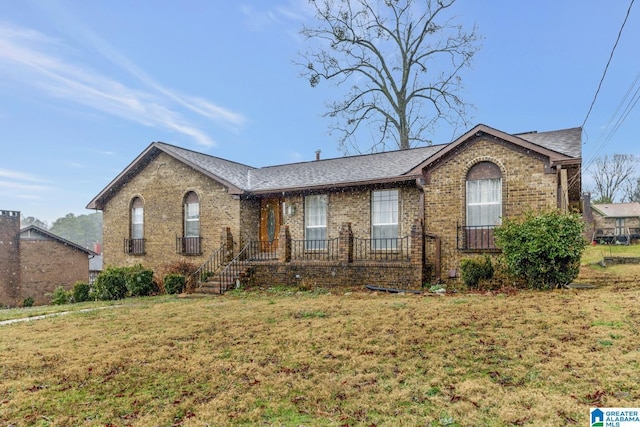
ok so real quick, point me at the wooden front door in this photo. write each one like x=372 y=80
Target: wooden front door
x=270 y=219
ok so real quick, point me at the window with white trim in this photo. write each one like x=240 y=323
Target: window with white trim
x=137 y=218
x=484 y=195
x=315 y=221
x=384 y=219
x=191 y=215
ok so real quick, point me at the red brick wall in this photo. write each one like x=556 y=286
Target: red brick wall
x=48 y=264
x=9 y=258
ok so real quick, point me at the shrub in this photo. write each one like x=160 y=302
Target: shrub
x=544 y=250
x=139 y=281
x=174 y=283
x=60 y=296
x=81 y=291
x=28 y=302
x=184 y=268
x=111 y=284
x=473 y=270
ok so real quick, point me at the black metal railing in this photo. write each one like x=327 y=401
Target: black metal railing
x=381 y=249
x=189 y=245
x=134 y=246
x=314 y=250
x=210 y=266
x=476 y=237
x=262 y=250
x=233 y=272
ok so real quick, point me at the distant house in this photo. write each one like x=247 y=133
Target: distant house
x=616 y=222
x=34 y=262
x=395 y=219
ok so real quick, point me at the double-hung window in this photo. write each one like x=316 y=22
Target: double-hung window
x=315 y=220
x=137 y=219
x=191 y=215
x=384 y=219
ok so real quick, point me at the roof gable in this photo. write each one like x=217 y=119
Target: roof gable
x=571 y=144
x=28 y=232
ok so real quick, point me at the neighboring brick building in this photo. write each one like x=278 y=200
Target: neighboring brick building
x=34 y=262
x=393 y=219
x=615 y=222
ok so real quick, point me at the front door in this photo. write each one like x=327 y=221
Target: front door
x=270 y=218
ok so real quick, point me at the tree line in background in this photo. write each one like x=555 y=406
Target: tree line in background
x=615 y=179
x=83 y=230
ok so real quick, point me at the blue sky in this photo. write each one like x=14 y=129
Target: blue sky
x=85 y=86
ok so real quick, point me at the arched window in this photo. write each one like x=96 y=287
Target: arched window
x=190 y=243
x=135 y=244
x=484 y=195
x=137 y=218
x=484 y=206
x=191 y=215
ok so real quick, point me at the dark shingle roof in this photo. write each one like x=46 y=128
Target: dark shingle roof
x=565 y=141
x=338 y=172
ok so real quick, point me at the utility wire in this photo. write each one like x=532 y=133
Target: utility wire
x=608 y=62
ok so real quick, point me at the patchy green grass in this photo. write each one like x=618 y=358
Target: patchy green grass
x=303 y=359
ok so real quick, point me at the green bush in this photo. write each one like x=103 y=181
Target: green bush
x=544 y=250
x=139 y=281
x=28 y=302
x=174 y=283
x=60 y=296
x=111 y=284
x=80 y=292
x=473 y=270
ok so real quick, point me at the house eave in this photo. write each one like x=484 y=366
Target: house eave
x=337 y=185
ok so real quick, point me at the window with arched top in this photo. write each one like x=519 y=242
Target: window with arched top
x=189 y=243
x=191 y=215
x=134 y=245
x=483 y=205
x=137 y=218
x=484 y=195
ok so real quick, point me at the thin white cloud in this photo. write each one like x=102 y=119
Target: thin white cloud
x=293 y=11
x=26 y=56
x=17 y=175
x=17 y=186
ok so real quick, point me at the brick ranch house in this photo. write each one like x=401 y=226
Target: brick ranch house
x=396 y=219
x=34 y=262
x=615 y=222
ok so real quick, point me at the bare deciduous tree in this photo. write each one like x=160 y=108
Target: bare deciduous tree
x=403 y=58
x=612 y=175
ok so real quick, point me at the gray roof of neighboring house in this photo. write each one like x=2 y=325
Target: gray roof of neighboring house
x=390 y=166
x=565 y=141
x=28 y=233
x=618 y=210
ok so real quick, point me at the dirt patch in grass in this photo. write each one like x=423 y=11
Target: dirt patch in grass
x=526 y=358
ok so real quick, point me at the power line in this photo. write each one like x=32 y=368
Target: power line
x=608 y=62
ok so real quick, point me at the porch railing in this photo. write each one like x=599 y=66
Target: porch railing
x=262 y=249
x=314 y=250
x=189 y=245
x=476 y=237
x=134 y=246
x=381 y=249
x=210 y=266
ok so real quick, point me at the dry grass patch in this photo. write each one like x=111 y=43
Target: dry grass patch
x=531 y=358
